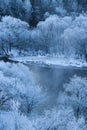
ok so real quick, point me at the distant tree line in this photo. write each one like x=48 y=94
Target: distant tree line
x=34 y=11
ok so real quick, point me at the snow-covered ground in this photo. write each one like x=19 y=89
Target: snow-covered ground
x=55 y=61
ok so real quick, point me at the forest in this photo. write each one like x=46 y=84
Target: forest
x=35 y=95
x=46 y=27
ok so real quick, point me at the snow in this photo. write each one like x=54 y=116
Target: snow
x=43 y=33
x=54 y=61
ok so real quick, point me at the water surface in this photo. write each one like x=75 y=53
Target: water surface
x=52 y=79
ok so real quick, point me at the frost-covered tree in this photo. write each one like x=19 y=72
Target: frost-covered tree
x=70 y=5
x=16 y=8
x=75 y=94
x=13 y=33
x=77 y=124
x=82 y=5
x=54 y=119
x=51 y=30
x=21 y=88
x=51 y=120
x=59 y=119
x=74 y=38
x=15 y=121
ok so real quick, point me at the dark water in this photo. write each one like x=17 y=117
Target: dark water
x=52 y=79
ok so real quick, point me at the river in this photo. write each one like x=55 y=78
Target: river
x=52 y=78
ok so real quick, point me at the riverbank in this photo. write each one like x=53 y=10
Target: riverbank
x=53 y=61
